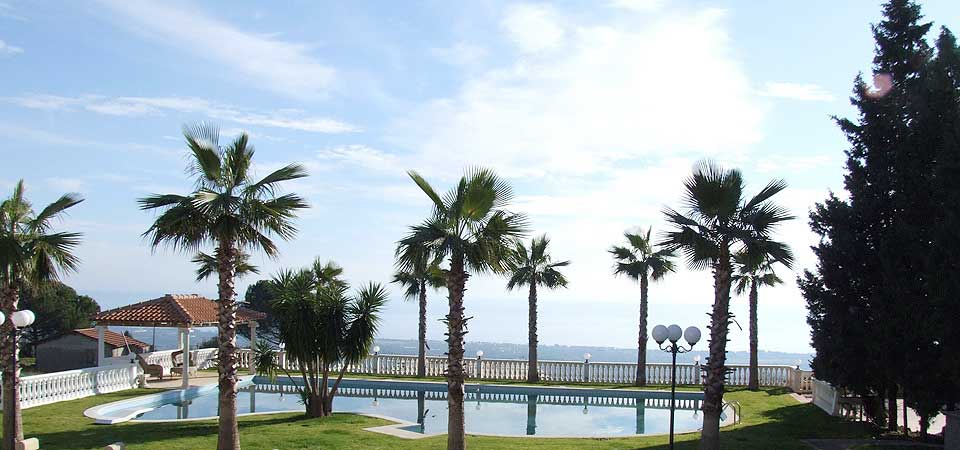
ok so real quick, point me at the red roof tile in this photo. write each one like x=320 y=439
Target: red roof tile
x=171 y=311
x=114 y=339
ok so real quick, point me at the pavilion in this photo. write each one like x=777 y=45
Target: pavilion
x=172 y=311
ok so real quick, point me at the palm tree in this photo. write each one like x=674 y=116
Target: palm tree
x=534 y=268
x=207 y=265
x=30 y=255
x=234 y=213
x=717 y=220
x=322 y=328
x=328 y=273
x=752 y=272
x=640 y=261
x=422 y=273
x=471 y=230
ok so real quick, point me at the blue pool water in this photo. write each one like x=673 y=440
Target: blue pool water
x=504 y=410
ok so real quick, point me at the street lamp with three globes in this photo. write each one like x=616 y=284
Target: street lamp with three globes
x=673 y=333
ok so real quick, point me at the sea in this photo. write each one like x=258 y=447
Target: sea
x=166 y=338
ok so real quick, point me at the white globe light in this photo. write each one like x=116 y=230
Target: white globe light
x=479 y=353
x=587 y=356
x=659 y=333
x=674 y=333
x=696 y=359
x=376 y=349
x=692 y=335
x=2 y=318
x=23 y=318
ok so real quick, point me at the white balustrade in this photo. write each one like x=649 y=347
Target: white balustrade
x=564 y=371
x=825 y=396
x=36 y=390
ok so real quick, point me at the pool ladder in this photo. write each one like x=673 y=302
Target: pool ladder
x=737 y=409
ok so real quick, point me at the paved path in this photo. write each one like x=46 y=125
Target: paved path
x=844 y=444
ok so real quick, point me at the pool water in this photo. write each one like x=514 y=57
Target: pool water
x=504 y=410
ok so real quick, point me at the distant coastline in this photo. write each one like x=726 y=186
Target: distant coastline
x=166 y=338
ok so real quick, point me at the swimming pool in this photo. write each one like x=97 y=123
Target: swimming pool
x=421 y=407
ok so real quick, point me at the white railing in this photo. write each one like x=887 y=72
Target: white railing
x=36 y=390
x=826 y=397
x=563 y=371
x=204 y=358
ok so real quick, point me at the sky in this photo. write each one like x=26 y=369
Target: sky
x=594 y=111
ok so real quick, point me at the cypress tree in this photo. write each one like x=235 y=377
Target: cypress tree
x=881 y=297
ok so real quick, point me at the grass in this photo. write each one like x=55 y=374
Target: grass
x=772 y=419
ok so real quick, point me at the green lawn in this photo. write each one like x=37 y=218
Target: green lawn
x=772 y=420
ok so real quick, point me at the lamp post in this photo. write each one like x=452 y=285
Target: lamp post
x=479 y=364
x=376 y=359
x=673 y=333
x=586 y=368
x=19 y=319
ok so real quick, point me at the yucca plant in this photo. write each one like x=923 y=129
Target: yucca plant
x=324 y=331
x=716 y=222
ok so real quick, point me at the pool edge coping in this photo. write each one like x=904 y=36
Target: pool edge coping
x=395 y=429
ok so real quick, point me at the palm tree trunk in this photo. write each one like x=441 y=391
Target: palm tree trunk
x=533 y=375
x=532 y=414
x=641 y=379
x=228 y=437
x=892 y=407
x=716 y=369
x=422 y=332
x=754 y=381
x=456 y=376
x=12 y=420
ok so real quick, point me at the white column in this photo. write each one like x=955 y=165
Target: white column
x=100 y=345
x=186 y=357
x=253 y=349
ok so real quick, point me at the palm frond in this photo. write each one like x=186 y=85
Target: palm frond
x=41 y=223
x=237 y=159
x=267 y=184
x=427 y=189
x=203 y=141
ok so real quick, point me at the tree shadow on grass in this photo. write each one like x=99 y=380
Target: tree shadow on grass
x=134 y=434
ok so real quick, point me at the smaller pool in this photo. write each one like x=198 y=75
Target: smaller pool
x=421 y=407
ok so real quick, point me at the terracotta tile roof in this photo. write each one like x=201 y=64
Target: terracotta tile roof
x=114 y=339
x=171 y=310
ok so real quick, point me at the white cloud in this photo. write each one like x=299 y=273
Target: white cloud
x=67 y=184
x=267 y=62
x=793 y=164
x=461 y=54
x=796 y=91
x=533 y=28
x=638 y=5
x=361 y=156
x=138 y=106
x=7 y=12
x=609 y=94
x=7 y=49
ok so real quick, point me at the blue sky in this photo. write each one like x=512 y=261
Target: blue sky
x=595 y=111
